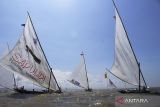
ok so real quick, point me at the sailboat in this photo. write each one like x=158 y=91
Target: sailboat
x=126 y=66
x=28 y=59
x=79 y=77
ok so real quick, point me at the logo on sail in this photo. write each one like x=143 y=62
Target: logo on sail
x=75 y=82
x=27 y=66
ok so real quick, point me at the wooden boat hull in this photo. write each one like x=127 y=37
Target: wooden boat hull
x=133 y=91
x=89 y=90
x=30 y=92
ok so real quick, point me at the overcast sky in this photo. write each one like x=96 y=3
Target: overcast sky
x=67 y=27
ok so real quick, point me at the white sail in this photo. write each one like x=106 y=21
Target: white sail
x=27 y=58
x=6 y=78
x=79 y=76
x=125 y=66
x=111 y=84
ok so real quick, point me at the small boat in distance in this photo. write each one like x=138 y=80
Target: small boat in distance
x=79 y=76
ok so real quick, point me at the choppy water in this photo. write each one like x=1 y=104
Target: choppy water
x=99 y=98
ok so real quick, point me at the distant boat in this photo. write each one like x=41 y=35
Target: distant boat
x=79 y=77
x=28 y=59
x=126 y=66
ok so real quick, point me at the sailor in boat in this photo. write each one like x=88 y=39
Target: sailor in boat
x=19 y=89
x=22 y=88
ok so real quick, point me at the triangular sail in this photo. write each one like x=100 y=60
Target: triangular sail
x=125 y=65
x=79 y=75
x=27 y=58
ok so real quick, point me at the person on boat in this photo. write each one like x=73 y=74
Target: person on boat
x=22 y=88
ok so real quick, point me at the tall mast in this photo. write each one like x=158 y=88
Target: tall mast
x=139 y=78
x=85 y=69
x=45 y=56
x=49 y=80
x=140 y=73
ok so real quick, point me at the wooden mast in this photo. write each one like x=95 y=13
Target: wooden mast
x=51 y=73
x=139 y=87
x=82 y=54
x=140 y=73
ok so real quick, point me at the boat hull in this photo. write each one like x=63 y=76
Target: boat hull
x=89 y=90
x=29 y=92
x=133 y=91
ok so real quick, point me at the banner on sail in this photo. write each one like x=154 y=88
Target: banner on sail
x=27 y=58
